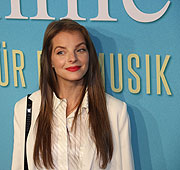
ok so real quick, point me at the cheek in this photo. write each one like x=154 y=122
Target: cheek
x=57 y=62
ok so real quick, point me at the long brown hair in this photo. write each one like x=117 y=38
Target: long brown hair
x=98 y=115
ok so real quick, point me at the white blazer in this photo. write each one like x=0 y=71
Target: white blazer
x=122 y=155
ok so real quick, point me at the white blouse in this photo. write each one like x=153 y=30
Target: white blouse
x=67 y=143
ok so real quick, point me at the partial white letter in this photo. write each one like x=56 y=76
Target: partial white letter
x=15 y=11
x=139 y=16
x=103 y=14
x=42 y=11
x=72 y=11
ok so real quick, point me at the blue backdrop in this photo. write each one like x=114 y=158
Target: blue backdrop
x=149 y=52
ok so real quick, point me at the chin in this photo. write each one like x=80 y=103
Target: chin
x=73 y=78
x=76 y=79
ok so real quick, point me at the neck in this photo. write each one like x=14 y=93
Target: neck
x=71 y=91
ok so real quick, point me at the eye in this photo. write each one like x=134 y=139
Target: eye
x=60 y=52
x=82 y=50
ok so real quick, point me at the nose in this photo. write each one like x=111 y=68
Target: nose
x=72 y=57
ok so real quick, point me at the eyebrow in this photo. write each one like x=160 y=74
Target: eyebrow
x=82 y=43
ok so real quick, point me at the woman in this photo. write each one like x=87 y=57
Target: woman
x=75 y=125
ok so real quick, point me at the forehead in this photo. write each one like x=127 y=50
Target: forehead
x=68 y=37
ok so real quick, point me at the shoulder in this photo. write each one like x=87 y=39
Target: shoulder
x=23 y=101
x=21 y=105
x=36 y=94
x=114 y=103
x=116 y=108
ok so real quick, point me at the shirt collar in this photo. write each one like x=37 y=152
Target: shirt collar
x=57 y=101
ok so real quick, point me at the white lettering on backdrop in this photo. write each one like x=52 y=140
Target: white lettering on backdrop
x=139 y=16
x=103 y=14
x=15 y=11
x=73 y=11
x=42 y=11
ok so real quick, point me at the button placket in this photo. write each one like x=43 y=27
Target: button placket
x=62 y=140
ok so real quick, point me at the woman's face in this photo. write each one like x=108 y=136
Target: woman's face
x=70 y=56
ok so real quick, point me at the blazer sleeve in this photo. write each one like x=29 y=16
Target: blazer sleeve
x=125 y=140
x=18 y=147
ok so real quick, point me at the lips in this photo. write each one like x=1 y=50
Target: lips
x=73 y=69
